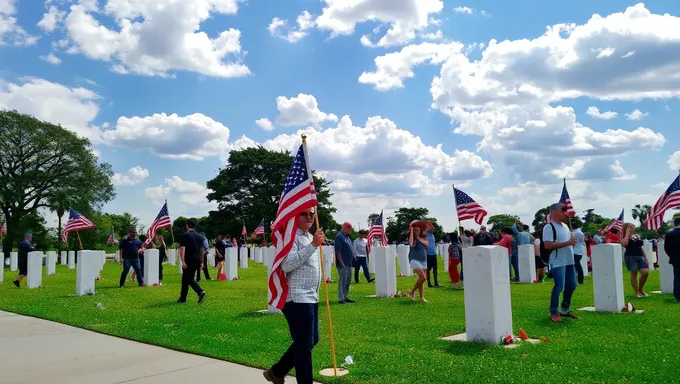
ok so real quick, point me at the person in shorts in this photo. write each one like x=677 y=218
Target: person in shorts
x=22 y=258
x=417 y=257
x=635 y=258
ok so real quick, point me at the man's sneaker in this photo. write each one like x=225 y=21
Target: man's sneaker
x=555 y=318
x=371 y=280
x=201 y=297
x=269 y=376
x=569 y=315
x=350 y=301
x=16 y=282
x=180 y=301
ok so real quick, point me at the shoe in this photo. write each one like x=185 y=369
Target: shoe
x=436 y=285
x=430 y=286
x=17 y=283
x=342 y=302
x=180 y=301
x=569 y=315
x=349 y=301
x=201 y=297
x=555 y=318
x=269 y=376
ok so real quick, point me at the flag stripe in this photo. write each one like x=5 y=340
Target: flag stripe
x=467 y=208
x=669 y=200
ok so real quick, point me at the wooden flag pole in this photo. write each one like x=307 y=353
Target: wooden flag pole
x=325 y=284
x=245 y=240
x=80 y=242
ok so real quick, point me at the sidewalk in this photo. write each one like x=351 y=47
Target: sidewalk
x=40 y=351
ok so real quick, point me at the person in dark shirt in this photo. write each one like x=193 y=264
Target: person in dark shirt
x=130 y=248
x=24 y=248
x=671 y=245
x=483 y=237
x=220 y=253
x=192 y=257
x=162 y=255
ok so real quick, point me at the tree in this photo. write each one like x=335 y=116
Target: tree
x=371 y=218
x=641 y=212
x=498 y=222
x=541 y=215
x=42 y=162
x=397 y=226
x=248 y=190
x=592 y=222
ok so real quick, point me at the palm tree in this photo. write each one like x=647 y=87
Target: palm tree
x=641 y=212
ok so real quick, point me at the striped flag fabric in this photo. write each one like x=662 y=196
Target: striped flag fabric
x=467 y=208
x=76 y=222
x=566 y=200
x=376 y=230
x=244 y=233
x=259 y=230
x=669 y=200
x=616 y=224
x=162 y=221
x=111 y=240
x=3 y=228
x=298 y=195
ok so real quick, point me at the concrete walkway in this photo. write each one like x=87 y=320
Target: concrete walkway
x=40 y=351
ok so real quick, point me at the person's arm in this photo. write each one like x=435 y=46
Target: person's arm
x=515 y=230
x=645 y=254
x=411 y=243
x=300 y=254
x=181 y=256
x=338 y=255
x=424 y=241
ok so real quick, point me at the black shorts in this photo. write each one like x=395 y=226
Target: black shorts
x=539 y=262
x=431 y=261
x=23 y=267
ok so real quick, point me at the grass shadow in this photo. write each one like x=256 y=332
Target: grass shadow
x=463 y=348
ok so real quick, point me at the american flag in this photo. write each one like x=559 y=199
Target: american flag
x=467 y=208
x=566 y=200
x=616 y=224
x=75 y=222
x=669 y=200
x=162 y=221
x=3 y=228
x=376 y=230
x=259 y=230
x=111 y=240
x=298 y=195
x=244 y=233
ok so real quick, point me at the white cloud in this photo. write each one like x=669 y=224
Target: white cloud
x=292 y=35
x=265 y=124
x=433 y=36
x=594 y=169
x=157 y=37
x=300 y=110
x=674 y=161
x=465 y=10
x=73 y=108
x=636 y=115
x=133 y=176
x=51 y=19
x=51 y=58
x=10 y=31
x=191 y=195
x=192 y=137
x=595 y=113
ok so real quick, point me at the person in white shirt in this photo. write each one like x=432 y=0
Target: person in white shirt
x=360 y=248
x=579 y=250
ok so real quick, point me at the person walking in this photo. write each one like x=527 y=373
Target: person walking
x=635 y=258
x=192 y=257
x=671 y=245
x=579 y=250
x=220 y=253
x=204 y=266
x=360 y=249
x=22 y=258
x=455 y=258
x=344 y=256
x=431 y=256
x=557 y=238
x=302 y=267
x=417 y=257
x=162 y=256
x=130 y=248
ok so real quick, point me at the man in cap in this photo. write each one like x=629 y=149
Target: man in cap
x=559 y=240
x=24 y=248
x=483 y=237
x=344 y=256
x=130 y=248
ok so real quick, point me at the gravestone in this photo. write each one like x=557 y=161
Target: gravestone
x=371 y=260
x=584 y=265
x=151 y=266
x=35 y=264
x=63 y=258
x=527 y=263
x=85 y=272
x=328 y=256
x=402 y=258
x=13 y=261
x=211 y=258
x=607 y=277
x=269 y=254
x=71 y=260
x=385 y=272
x=488 y=310
x=231 y=263
x=244 y=257
x=179 y=264
x=651 y=255
x=665 y=270
x=172 y=256
x=51 y=263
x=445 y=256
x=258 y=255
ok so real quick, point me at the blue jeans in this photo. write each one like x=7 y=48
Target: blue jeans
x=361 y=263
x=565 y=280
x=303 y=324
x=344 y=278
x=134 y=264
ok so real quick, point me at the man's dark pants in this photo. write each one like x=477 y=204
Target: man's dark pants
x=676 y=281
x=188 y=281
x=134 y=264
x=303 y=323
x=205 y=270
x=358 y=264
x=579 y=268
x=432 y=266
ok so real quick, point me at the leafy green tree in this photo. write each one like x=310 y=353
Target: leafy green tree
x=397 y=226
x=371 y=218
x=640 y=213
x=40 y=163
x=498 y=222
x=592 y=222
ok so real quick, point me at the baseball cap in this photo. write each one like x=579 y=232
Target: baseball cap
x=347 y=224
x=28 y=234
x=132 y=230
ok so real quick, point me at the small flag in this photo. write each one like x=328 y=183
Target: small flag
x=616 y=224
x=377 y=230
x=669 y=200
x=468 y=208
x=259 y=230
x=162 y=221
x=111 y=240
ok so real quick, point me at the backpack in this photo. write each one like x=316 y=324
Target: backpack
x=545 y=253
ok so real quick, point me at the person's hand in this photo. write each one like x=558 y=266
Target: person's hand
x=356 y=258
x=184 y=266
x=572 y=241
x=201 y=265
x=319 y=237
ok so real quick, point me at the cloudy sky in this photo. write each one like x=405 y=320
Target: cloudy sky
x=399 y=98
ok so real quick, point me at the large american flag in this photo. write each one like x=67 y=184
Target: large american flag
x=162 y=221
x=75 y=222
x=616 y=224
x=259 y=230
x=3 y=228
x=376 y=230
x=669 y=200
x=298 y=195
x=566 y=200
x=468 y=208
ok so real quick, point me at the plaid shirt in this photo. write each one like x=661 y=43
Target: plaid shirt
x=302 y=267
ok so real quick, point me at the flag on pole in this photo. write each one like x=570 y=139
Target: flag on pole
x=3 y=228
x=258 y=231
x=162 y=221
x=111 y=240
x=376 y=230
x=244 y=233
x=76 y=222
x=467 y=208
x=566 y=200
x=616 y=224
x=298 y=195
x=669 y=200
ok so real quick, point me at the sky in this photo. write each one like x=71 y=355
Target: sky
x=399 y=99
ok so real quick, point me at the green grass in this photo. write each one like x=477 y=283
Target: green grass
x=392 y=340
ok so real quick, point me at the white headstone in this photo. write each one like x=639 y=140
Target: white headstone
x=85 y=271
x=527 y=263
x=63 y=258
x=13 y=261
x=211 y=259
x=651 y=256
x=328 y=256
x=258 y=255
x=607 y=277
x=71 y=260
x=179 y=264
x=151 y=266
x=402 y=258
x=584 y=264
x=445 y=256
x=244 y=257
x=269 y=254
x=665 y=270
x=488 y=310
x=231 y=263
x=172 y=256
x=35 y=264
x=51 y=263
x=385 y=272
x=371 y=260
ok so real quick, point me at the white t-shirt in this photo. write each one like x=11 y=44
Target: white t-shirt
x=563 y=256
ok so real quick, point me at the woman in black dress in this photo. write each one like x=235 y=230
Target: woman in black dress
x=162 y=255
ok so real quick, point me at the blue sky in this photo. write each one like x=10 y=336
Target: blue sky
x=377 y=86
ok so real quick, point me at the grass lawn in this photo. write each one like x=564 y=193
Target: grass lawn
x=392 y=340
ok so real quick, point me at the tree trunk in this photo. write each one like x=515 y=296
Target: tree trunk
x=59 y=242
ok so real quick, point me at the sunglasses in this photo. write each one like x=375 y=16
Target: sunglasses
x=563 y=209
x=307 y=214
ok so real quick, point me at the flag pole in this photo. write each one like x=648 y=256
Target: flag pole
x=323 y=275
x=455 y=207
x=80 y=242
x=245 y=235
x=568 y=217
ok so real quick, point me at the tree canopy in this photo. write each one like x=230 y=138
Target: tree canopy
x=498 y=222
x=397 y=226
